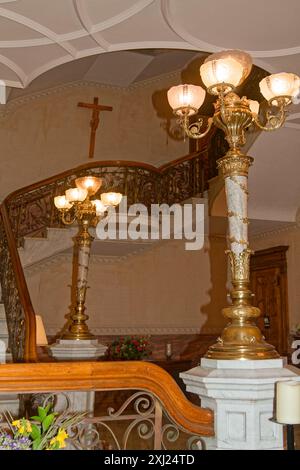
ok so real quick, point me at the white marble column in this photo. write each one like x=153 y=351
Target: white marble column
x=241 y=394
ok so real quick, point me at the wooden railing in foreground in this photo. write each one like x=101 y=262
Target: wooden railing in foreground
x=156 y=398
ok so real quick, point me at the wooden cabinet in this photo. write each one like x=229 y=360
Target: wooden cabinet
x=269 y=286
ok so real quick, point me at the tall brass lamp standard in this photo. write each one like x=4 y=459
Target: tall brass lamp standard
x=77 y=205
x=222 y=73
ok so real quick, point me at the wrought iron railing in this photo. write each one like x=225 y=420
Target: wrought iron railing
x=30 y=211
x=15 y=296
x=154 y=415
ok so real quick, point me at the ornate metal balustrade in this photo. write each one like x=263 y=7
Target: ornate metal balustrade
x=31 y=210
x=155 y=415
x=141 y=422
x=15 y=296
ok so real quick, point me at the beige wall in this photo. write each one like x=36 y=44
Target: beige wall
x=165 y=287
x=48 y=133
x=291 y=238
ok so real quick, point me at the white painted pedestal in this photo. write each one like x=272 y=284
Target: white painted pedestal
x=241 y=394
x=74 y=350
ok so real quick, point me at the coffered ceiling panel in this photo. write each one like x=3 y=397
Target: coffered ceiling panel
x=261 y=27
x=57 y=15
x=37 y=35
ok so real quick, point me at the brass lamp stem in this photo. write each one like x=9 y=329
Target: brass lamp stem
x=241 y=338
x=78 y=328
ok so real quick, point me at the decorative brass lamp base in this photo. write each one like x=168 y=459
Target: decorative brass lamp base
x=78 y=329
x=241 y=338
x=241 y=342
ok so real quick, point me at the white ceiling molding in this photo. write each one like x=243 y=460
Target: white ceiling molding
x=176 y=25
x=38 y=28
x=80 y=8
x=117 y=19
x=88 y=28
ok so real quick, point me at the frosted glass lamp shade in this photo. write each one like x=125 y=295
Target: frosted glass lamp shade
x=99 y=206
x=240 y=56
x=214 y=73
x=254 y=107
x=76 y=194
x=41 y=338
x=111 y=199
x=61 y=202
x=280 y=85
x=89 y=183
x=186 y=98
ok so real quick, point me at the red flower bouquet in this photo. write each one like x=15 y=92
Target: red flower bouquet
x=129 y=348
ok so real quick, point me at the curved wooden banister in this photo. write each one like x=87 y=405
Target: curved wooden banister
x=97 y=164
x=133 y=375
x=21 y=285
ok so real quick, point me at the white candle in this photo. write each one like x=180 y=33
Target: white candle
x=288 y=402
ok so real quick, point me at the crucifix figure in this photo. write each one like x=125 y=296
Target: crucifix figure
x=94 y=123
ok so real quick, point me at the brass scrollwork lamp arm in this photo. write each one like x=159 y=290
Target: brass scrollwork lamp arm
x=194 y=130
x=273 y=120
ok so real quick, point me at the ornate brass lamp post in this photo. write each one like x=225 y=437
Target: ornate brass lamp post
x=222 y=73
x=77 y=205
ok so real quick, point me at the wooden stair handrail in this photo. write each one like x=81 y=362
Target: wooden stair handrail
x=96 y=164
x=84 y=376
x=30 y=331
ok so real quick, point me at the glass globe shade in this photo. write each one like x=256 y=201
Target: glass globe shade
x=99 y=206
x=242 y=57
x=279 y=85
x=90 y=183
x=61 y=202
x=76 y=194
x=186 y=98
x=221 y=71
x=254 y=106
x=111 y=199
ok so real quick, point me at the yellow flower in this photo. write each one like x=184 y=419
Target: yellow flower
x=59 y=439
x=23 y=426
x=28 y=427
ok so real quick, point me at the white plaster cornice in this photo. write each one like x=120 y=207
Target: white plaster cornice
x=23 y=100
x=140 y=330
x=268 y=233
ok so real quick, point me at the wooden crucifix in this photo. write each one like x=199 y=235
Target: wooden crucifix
x=94 y=123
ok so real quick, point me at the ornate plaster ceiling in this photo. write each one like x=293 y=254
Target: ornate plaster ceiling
x=37 y=35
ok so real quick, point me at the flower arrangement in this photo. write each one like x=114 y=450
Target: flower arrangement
x=46 y=431
x=129 y=348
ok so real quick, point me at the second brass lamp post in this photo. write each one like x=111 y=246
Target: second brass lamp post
x=222 y=73
x=77 y=205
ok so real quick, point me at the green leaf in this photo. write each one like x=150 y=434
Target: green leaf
x=42 y=412
x=47 y=408
x=36 y=432
x=36 y=418
x=47 y=422
x=36 y=444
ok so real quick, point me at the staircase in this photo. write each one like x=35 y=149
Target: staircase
x=31 y=230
